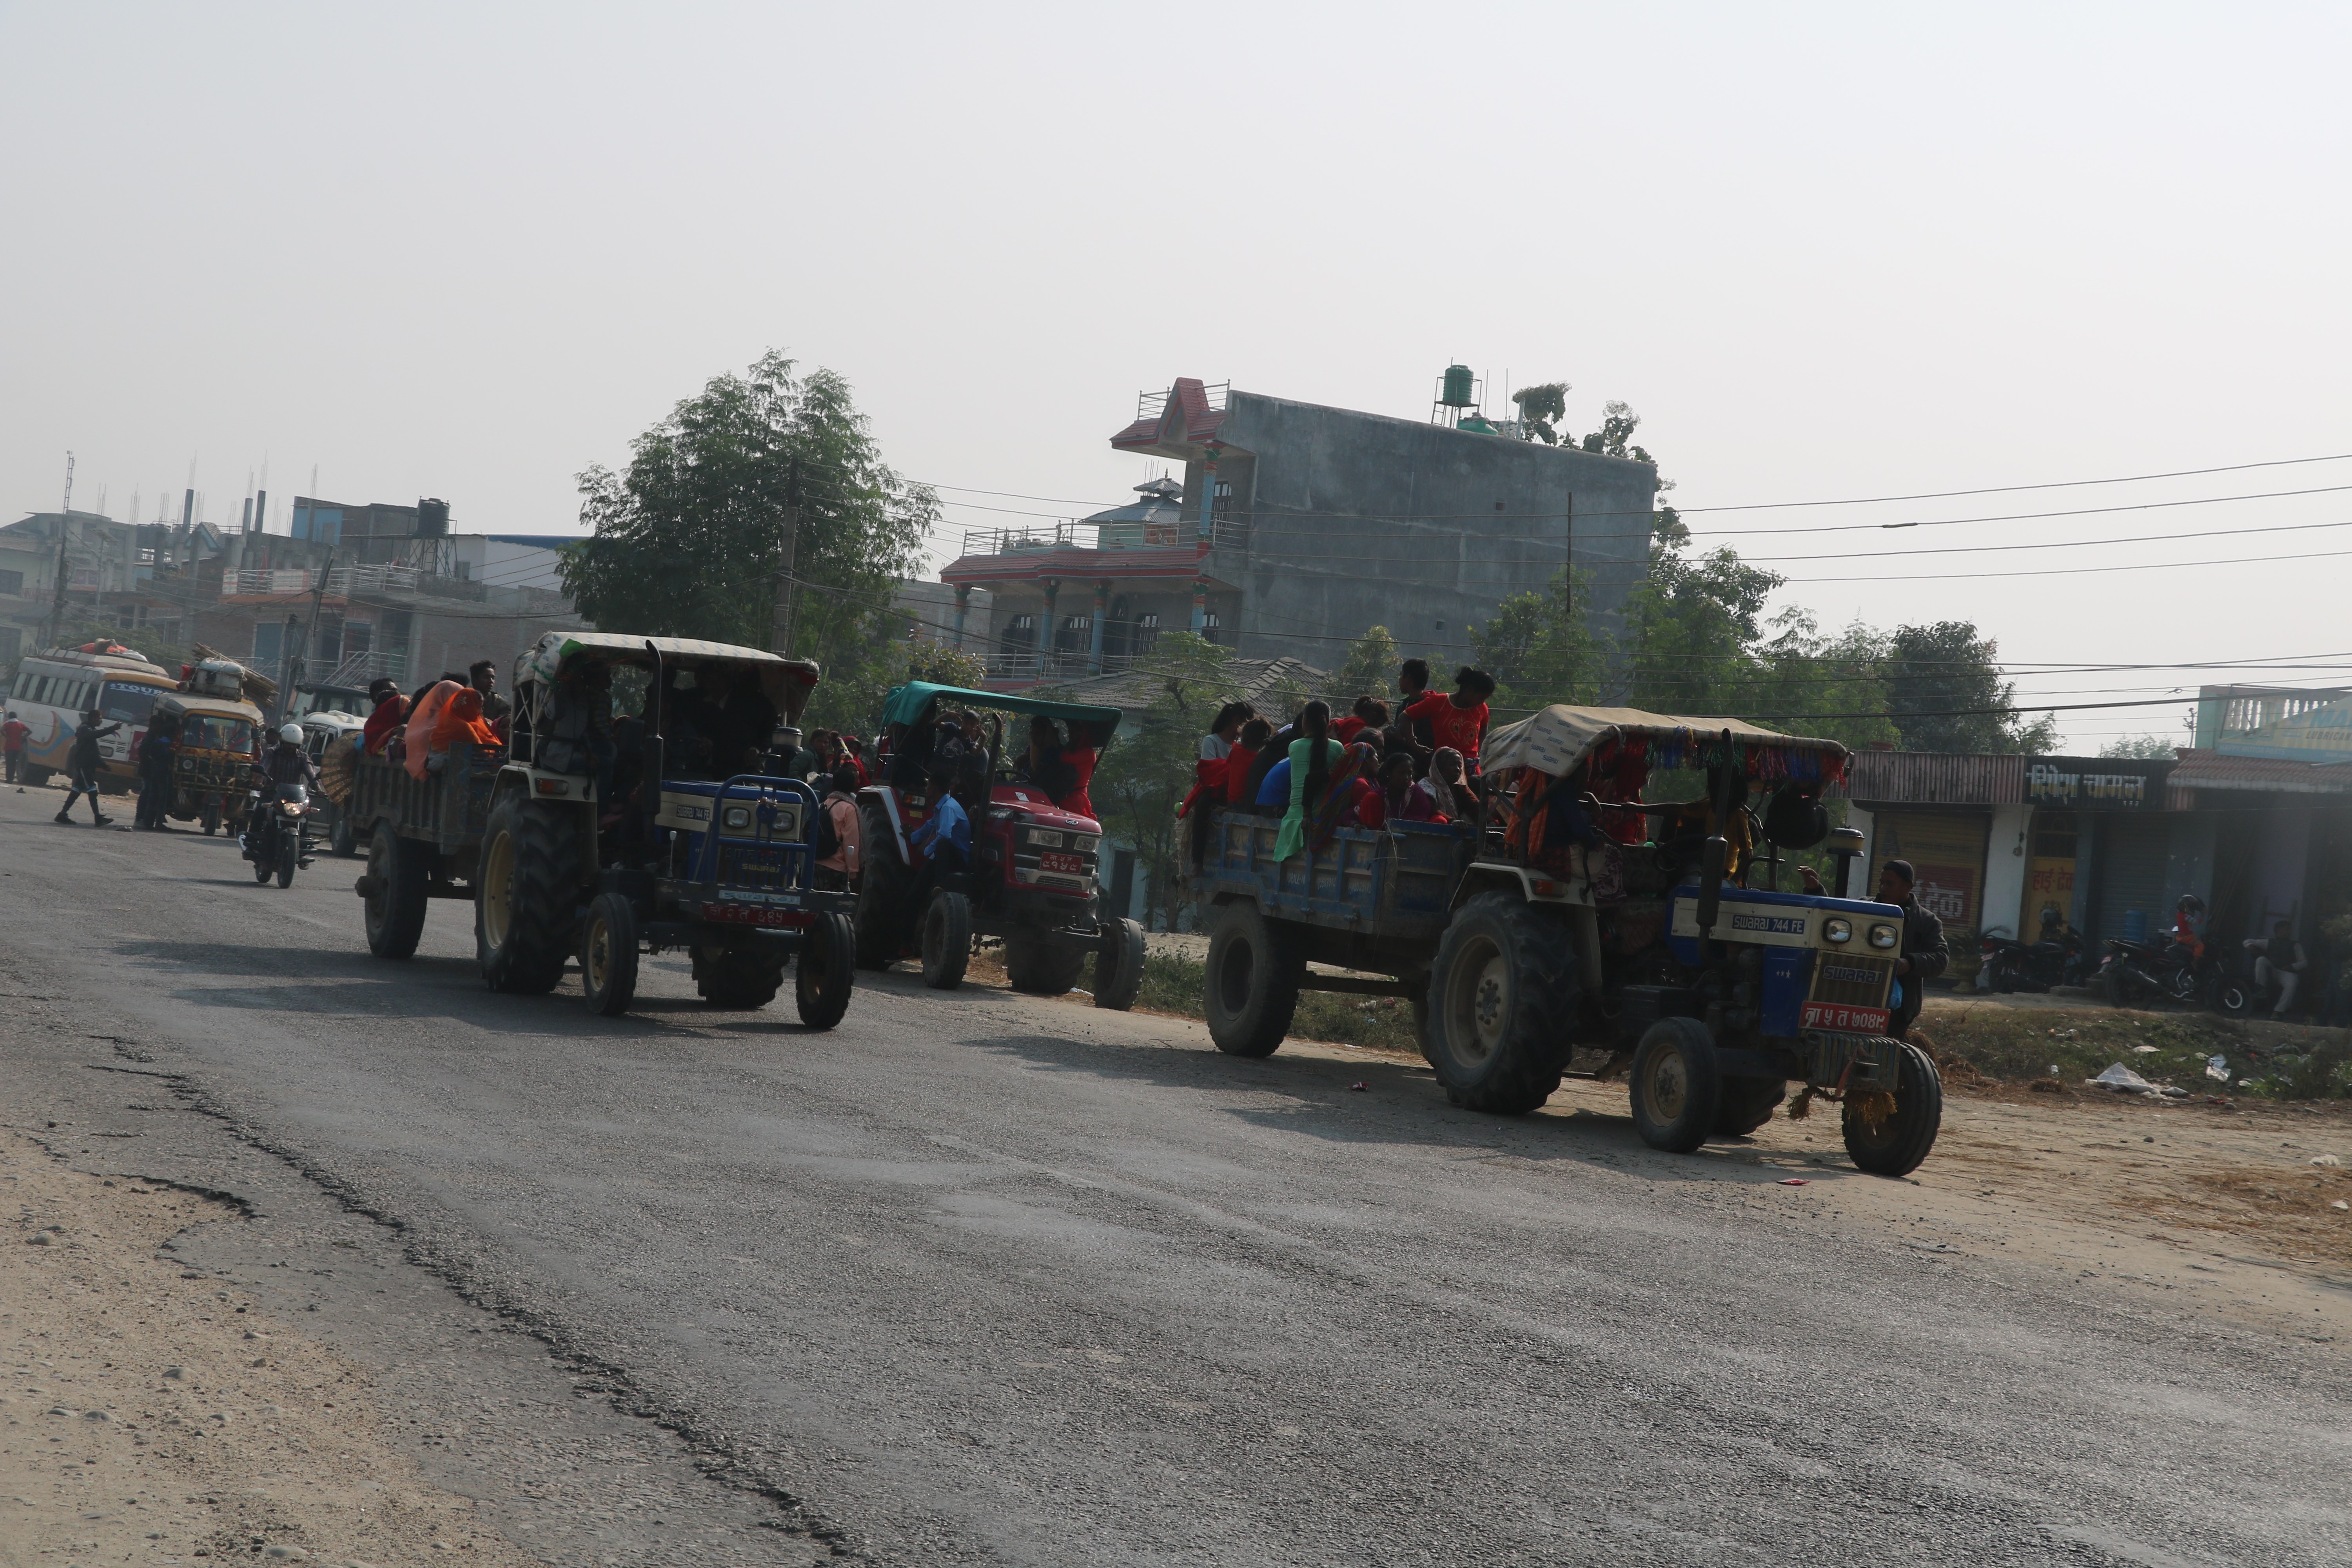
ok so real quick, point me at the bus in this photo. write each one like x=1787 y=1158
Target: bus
x=53 y=690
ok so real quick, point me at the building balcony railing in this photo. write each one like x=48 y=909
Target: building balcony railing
x=1031 y=665
x=1153 y=404
x=342 y=581
x=1229 y=531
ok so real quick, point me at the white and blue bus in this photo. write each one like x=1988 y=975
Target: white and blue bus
x=51 y=692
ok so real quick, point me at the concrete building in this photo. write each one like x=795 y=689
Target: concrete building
x=2287 y=723
x=1294 y=528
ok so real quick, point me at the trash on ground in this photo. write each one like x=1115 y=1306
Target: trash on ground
x=2340 y=1203
x=2326 y=1160
x=2144 y=1050
x=2121 y=1079
x=1359 y=1084
x=2218 y=1065
x=1796 y=1180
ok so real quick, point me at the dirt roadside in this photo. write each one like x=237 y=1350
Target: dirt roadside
x=153 y=1417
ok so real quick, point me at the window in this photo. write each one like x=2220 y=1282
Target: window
x=12 y=641
x=85 y=577
x=127 y=704
x=12 y=584
x=1208 y=624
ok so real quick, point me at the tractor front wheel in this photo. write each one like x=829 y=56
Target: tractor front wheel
x=826 y=973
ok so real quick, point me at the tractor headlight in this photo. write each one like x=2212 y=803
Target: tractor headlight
x=1837 y=930
x=1083 y=842
x=736 y=819
x=1884 y=936
x=1044 y=838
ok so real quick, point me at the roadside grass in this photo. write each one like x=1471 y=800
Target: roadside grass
x=2019 y=1044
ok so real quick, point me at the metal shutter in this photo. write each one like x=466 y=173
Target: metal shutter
x=2131 y=874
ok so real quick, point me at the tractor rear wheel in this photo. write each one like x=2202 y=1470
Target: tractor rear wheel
x=1502 y=1005
x=1119 y=966
x=1895 y=1143
x=1677 y=1086
x=947 y=940
x=395 y=909
x=1251 y=986
x=526 y=896
x=826 y=973
x=883 y=885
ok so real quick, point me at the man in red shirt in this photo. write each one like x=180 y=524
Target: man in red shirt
x=12 y=734
x=1459 y=721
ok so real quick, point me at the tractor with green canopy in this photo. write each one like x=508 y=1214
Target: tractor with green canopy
x=1030 y=876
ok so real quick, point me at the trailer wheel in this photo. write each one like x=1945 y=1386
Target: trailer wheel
x=608 y=954
x=739 y=977
x=1039 y=967
x=211 y=820
x=1901 y=1139
x=1502 y=1006
x=395 y=910
x=1677 y=1088
x=947 y=940
x=826 y=973
x=1252 y=984
x=339 y=836
x=884 y=882
x=527 y=898
x=1119 y=966
x=1747 y=1104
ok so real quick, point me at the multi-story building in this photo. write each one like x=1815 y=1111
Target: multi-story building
x=1296 y=527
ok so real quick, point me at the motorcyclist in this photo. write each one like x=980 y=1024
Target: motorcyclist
x=283 y=764
x=2187 y=943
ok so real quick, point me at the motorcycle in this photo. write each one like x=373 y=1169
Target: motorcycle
x=2058 y=959
x=2137 y=973
x=275 y=839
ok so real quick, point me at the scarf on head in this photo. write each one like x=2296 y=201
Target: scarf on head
x=1446 y=797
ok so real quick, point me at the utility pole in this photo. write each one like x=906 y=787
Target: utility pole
x=299 y=655
x=780 y=631
x=65 y=531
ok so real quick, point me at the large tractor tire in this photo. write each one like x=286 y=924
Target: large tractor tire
x=1676 y=1085
x=526 y=896
x=1039 y=967
x=744 y=978
x=1747 y=1104
x=827 y=972
x=885 y=883
x=395 y=910
x=608 y=954
x=1502 y=1005
x=1896 y=1143
x=1119 y=966
x=1252 y=984
x=947 y=940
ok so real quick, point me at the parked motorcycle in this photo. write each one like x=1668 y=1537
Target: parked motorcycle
x=274 y=837
x=2058 y=959
x=2137 y=973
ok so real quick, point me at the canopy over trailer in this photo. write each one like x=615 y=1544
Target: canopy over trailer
x=1559 y=739
x=906 y=703
x=787 y=682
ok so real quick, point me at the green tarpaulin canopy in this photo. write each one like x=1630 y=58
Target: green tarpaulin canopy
x=906 y=703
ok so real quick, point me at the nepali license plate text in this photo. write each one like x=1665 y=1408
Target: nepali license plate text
x=1844 y=1019
x=1069 y=864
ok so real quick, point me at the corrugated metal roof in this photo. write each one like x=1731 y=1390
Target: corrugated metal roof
x=2213 y=771
x=1246 y=679
x=1936 y=778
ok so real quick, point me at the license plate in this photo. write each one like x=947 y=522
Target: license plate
x=754 y=915
x=1072 y=865
x=1844 y=1019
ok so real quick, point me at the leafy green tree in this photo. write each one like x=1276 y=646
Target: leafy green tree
x=1371 y=667
x=1542 y=408
x=2150 y=748
x=688 y=539
x=1539 y=649
x=1618 y=423
x=857 y=677
x=1691 y=628
x=1147 y=771
x=1935 y=673
x=1833 y=687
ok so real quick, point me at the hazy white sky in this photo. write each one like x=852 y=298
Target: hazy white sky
x=1826 y=252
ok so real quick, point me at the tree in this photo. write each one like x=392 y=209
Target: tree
x=1539 y=648
x=1618 y=423
x=1692 y=627
x=687 y=541
x=1937 y=674
x=2152 y=748
x=857 y=679
x=1834 y=687
x=1542 y=408
x=1147 y=772
x=1371 y=667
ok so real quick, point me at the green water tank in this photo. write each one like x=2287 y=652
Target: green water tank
x=1457 y=387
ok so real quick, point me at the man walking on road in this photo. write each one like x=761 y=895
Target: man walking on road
x=1924 y=956
x=82 y=768
x=12 y=734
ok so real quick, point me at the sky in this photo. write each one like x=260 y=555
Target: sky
x=1826 y=252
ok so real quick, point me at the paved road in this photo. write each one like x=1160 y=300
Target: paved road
x=981 y=1279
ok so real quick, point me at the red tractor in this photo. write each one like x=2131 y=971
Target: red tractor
x=1031 y=876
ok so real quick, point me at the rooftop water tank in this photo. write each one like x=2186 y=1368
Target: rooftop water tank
x=1458 y=393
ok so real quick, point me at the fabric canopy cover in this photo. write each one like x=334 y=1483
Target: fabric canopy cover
x=906 y=704
x=786 y=682
x=1556 y=740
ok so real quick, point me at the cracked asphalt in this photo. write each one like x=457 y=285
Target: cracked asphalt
x=980 y=1279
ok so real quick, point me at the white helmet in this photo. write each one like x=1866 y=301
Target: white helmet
x=291 y=734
